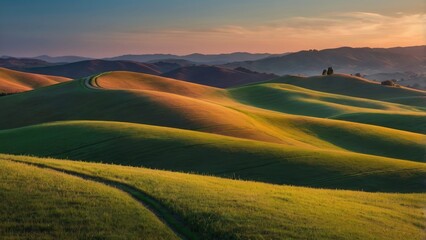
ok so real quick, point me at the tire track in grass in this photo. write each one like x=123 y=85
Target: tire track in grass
x=170 y=219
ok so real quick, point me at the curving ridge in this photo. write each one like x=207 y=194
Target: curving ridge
x=191 y=151
x=356 y=87
x=152 y=100
x=269 y=143
x=137 y=81
x=12 y=81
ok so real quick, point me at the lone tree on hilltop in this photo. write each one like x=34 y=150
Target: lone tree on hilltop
x=330 y=71
x=324 y=72
x=391 y=83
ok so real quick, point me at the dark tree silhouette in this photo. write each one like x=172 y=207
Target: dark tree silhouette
x=388 y=83
x=330 y=71
x=324 y=72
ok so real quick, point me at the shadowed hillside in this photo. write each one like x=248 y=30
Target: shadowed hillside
x=357 y=87
x=345 y=59
x=272 y=132
x=91 y=67
x=195 y=57
x=272 y=139
x=218 y=76
x=190 y=151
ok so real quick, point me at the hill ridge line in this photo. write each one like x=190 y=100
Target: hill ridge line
x=90 y=80
x=170 y=219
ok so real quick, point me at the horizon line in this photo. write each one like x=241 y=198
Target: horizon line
x=216 y=53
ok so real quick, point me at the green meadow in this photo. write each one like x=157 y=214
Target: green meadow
x=218 y=208
x=123 y=155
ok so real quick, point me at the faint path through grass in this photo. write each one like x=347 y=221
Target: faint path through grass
x=173 y=221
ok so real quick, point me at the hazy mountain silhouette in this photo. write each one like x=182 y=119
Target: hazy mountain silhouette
x=18 y=63
x=345 y=59
x=62 y=59
x=196 y=57
x=218 y=76
x=90 y=67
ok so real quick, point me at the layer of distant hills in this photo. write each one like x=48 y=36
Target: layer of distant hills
x=140 y=154
x=403 y=64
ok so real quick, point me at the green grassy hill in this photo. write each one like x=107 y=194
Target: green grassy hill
x=40 y=203
x=287 y=148
x=357 y=87
x=295 y=100
x=335 y=133
x=212 y=208
x=190 y=151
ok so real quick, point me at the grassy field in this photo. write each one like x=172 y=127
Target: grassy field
x=44 y=204
x=268 y=144
x=141 y=98
x=216 y=208
x=357 y=87
x=190 y=151
x=295 y=100
x=359 y=145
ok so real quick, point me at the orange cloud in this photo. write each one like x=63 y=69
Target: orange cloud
x=290 y=34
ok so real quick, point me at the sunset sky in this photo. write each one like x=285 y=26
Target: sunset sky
x=105 y=28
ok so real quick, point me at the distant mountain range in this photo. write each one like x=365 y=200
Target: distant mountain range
x=182 y=70
x=344 y=60
x=167 y=65
x=91 y=67
x=20 y=63
x=309 y=62
x=62 y=59
x=376 y=63
x=218 y=76
x=196 y=57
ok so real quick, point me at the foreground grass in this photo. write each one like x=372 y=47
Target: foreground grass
x=190 y=151
x=228 y=209
x=44 y=204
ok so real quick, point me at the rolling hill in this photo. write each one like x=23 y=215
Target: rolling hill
x=272 y=139
x=357 y=87
x=13 y=81
x=217 y=76
x=167 y=65
x=327 y=153
x=408 y=79
x=202 y=204
x=343 y=60
x=195 y=152
x=21 y=63
x=35 y=205
x=91 y=67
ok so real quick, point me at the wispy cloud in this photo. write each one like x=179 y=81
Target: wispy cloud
x=332 y=30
